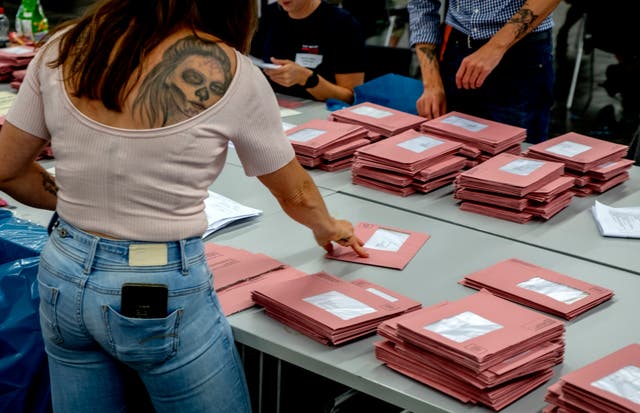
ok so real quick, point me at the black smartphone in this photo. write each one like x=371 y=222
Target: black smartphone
x=144 y=300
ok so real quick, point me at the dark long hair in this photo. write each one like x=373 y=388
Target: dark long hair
x=87 y=47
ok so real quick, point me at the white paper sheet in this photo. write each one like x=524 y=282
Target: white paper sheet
x=554 y=290
x=463 y=327
x=467 y=124
x=340 y=305
x=522 y=167
x=624 y=383
x=420 y=144
x=386 y=240
x=222 y=211
x=568 y=148
x=617 y=222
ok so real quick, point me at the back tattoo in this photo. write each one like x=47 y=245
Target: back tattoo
x=193 y=75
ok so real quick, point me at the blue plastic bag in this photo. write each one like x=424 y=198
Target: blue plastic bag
x=19 y=238
x=24 y=376
x=392 y=91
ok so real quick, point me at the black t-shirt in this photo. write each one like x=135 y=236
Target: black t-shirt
x=329 y=35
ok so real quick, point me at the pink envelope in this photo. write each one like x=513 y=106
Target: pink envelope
x=608 y=170
x=398 y=149
x=383 y=186
x=552 y=189
x=603 y=186
x=238 y=297
x=520 y=329
x=508 y=279
x=494 y=175
x=584 y=378
x=329 y=309
x=579 y=152
x=487 y=130
x=378 y=256
x=380 y=119
x=232 y=265
x=451 y=164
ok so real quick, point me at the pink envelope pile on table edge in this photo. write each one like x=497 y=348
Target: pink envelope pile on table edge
x=331 y=310
x=514 y=188
x=480 y=349
x=538 y=287
x=387 y=246
x=237 y=272
x=482 y=137
x=326 y=145
x=378 y=119
x=610 y=384
x=596 y=164
x=408 y=162
x=14 y=58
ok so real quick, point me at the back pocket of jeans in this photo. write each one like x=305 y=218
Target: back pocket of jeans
x=142 y=342
x=48 y=312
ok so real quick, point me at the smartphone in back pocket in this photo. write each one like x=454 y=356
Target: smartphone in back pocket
x=144 y=300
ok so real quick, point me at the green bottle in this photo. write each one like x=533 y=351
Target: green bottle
x=31 y=21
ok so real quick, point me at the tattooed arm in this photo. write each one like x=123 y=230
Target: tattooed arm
x=476 y=67
x=20 y=176
x=432 y=103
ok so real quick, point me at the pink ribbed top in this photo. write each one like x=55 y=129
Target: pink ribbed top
x=149 y=184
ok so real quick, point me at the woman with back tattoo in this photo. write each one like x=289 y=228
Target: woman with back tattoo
x=139 y=121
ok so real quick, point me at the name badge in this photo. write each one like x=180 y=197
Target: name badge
x=308 y=60
x=147 y=255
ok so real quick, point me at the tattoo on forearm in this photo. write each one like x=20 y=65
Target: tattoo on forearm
x=523 y=20
x=48 y=183
x=429 y=52
x=193 y=75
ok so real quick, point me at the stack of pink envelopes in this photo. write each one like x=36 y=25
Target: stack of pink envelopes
x=408 y=162
x=538 y=287
x=236 y=272
x=480 y=349
x=596 y=165
x=608 y=385
x=14 y=58
x=482 y=138
x=387 y=246
x=382 y=121
x=17 y=76
x=331 y=310
x=514 y=188
x=326 y=145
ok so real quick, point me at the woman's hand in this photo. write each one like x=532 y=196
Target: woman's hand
x=343 y=235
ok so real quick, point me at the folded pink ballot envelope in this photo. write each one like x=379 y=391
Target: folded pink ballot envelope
x=387 y=246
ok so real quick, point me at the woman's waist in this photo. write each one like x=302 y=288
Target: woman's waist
x=119 y=223
x=128 y=252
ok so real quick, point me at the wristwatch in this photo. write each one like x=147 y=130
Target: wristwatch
x=312 y=81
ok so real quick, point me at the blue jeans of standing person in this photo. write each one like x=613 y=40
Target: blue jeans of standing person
x=187 y=360
x=518 y=92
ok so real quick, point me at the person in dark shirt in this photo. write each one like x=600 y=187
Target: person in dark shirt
x=319 y=48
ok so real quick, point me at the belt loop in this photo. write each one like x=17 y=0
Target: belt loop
x=468 y=41
x=183 y=256
x=88 y=263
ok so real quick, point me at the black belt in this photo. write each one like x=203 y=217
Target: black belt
x=456 y=36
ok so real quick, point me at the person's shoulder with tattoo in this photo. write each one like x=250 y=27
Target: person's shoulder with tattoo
x=192 y=74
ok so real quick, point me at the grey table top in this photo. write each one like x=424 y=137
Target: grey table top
x=460 y=243
x=432 y=276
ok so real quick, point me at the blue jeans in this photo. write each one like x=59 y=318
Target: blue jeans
x=187 y=361
x=519 y=91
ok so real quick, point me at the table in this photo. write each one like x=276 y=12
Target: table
x=460 y=243
x=430 y=277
